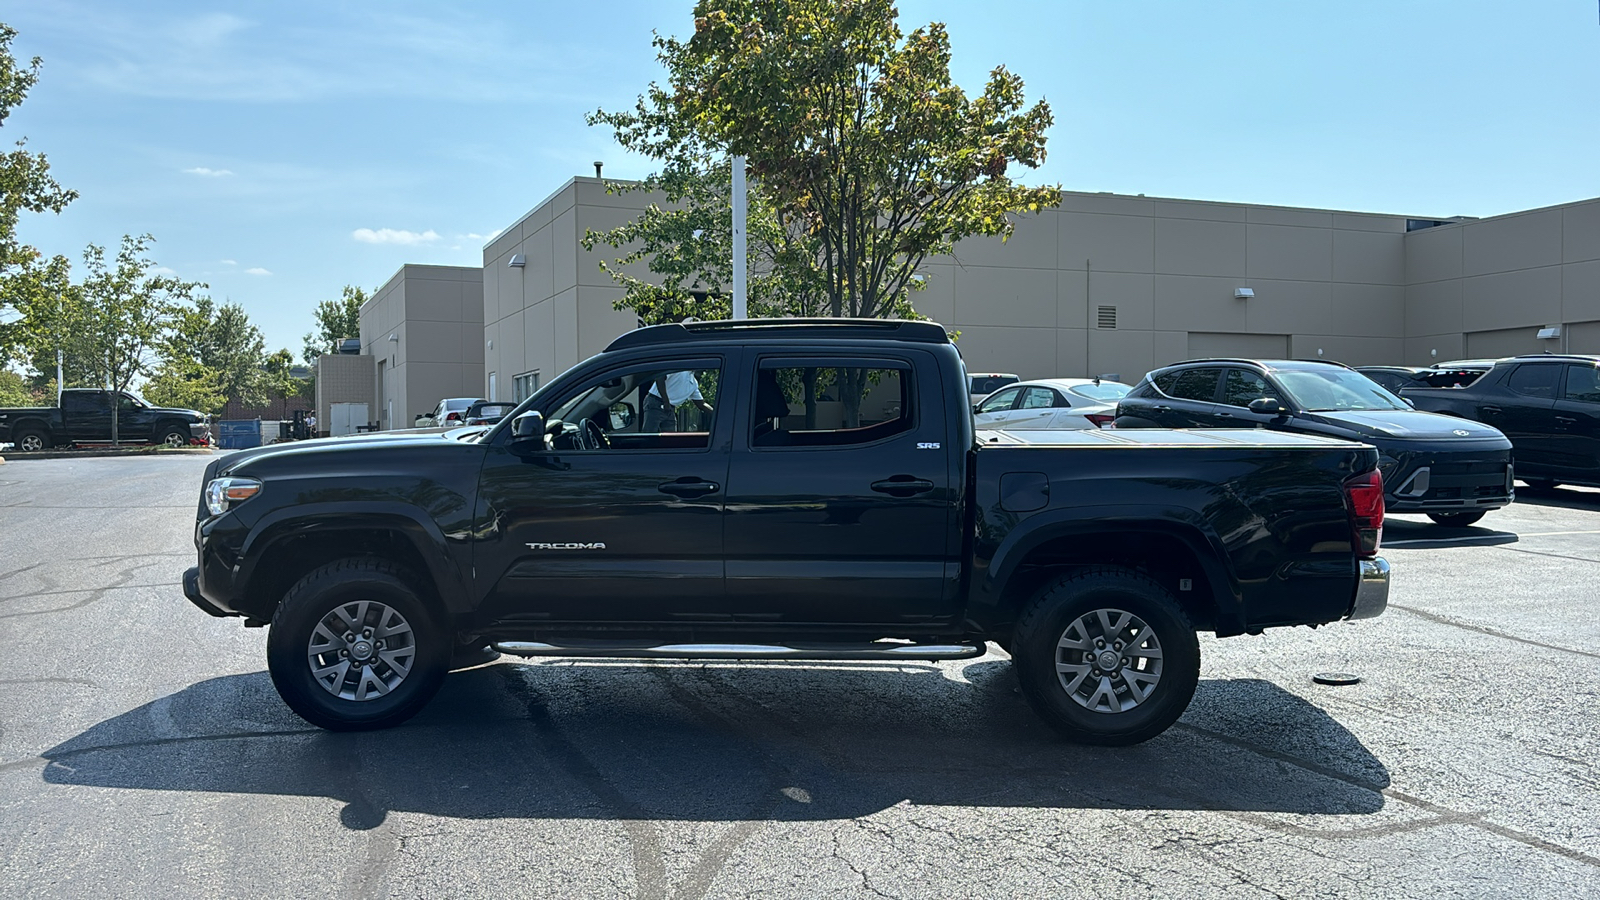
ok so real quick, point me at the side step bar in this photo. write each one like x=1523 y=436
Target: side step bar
x=627 y=650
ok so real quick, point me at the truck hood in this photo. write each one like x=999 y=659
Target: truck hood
x=328 y=448
x=177 y=413
x=1402 y=424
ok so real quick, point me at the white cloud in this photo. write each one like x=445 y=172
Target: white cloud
x=230 y=262
x=257 y=271
x=394 y=236
x=471 y=236
x=204 y=172
x=163 y=271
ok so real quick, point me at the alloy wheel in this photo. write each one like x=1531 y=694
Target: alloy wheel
x=361 y=651
x=1109 y=660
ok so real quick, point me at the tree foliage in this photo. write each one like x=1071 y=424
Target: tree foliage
x=336 y=320
x=186 y=384
x=120 y=314
x=865 y=157
x=25 y=185
x=222 y=341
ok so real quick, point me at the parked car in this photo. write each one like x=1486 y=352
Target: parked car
x=84 y=417
x=1052 y=403
x=872 y=527
x=488 y=412
x=1395 y=379
x=1453 y=471
x=1548 y=405
x=982 y=385
x=451 y=411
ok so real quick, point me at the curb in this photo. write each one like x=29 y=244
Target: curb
x=17 y=456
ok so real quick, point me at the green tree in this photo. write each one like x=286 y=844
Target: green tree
x=221 y=340
x=336 y=320
x=868 y=155
x=25 y=185
x=121 y=314
x=186 y=384
x=16 y=391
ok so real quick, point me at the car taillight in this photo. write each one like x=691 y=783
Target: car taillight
x=1100 y=420
x=1364 y=496
x=452 y=417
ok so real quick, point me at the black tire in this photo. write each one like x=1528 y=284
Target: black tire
x=1057 y=614
x=1541 y=484
x=30 y=439
x=335 y=593
x=173 y=436
x=1458 y=519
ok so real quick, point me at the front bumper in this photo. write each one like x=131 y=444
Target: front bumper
x=1372 y=591
x=191 y=589
x=1445 y=480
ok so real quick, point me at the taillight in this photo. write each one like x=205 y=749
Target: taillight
x=1364 y=495
x=1100 y=420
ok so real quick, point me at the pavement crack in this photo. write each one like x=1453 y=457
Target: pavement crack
x=1491 y=632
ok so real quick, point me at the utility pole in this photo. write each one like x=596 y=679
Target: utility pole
x=740 y=204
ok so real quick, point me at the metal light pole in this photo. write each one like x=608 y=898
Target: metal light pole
x=740 y=202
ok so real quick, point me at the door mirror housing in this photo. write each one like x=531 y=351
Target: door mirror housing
x=621 y=415
x=1268 y=406
x=527 y=433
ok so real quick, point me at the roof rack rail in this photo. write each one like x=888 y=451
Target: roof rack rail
x=1586 y=357
x=741 y=329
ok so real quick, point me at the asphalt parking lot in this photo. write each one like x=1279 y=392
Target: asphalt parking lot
x=143 y=751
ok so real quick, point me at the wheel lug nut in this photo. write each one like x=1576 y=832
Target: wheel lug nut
x=1100 y=643
x=1124 y=662
x=1117 y=645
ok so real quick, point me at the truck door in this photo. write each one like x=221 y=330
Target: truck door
x=621 y=520
x=86 y=415
x=840 y=505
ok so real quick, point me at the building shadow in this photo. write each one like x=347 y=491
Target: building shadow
x=689 y=742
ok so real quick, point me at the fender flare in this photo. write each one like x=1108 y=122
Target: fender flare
x=1185 y=525
x=422 y=533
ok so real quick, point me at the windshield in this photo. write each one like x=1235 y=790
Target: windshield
x=1104 y=391
x=1330 y=389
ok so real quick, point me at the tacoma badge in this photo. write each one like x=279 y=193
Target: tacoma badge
x=566 y=546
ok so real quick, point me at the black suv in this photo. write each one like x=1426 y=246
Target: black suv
x=1395 y=379
x=1548 y=405
x=1454 y=471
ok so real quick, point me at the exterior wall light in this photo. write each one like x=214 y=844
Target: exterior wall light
x=1549 y=333
x=517 y=261
x=1243 y=293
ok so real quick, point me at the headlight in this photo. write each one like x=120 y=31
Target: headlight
x=222 y=493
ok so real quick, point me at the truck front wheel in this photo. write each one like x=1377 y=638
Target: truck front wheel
x=353 y=648
x=174 y=436
x=1106 y=657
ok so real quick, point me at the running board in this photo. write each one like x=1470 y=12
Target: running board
x=819 y=651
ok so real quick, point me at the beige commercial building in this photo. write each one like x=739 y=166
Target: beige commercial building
x=1119 y=284
x=425 y=328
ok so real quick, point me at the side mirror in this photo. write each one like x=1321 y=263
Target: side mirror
x=528 y=426
x=1268 y=406
x=621 y=415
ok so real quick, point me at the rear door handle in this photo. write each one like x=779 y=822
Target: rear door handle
x=902 y=486
x=1488 y=410
x=689 y=487
x=1566 y=420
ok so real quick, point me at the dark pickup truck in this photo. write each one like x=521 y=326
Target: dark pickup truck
x=786 y=489
x=1547 y=404
x=84 y=417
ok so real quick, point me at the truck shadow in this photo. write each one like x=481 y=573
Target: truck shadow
x=1423 y=534
x=691 y=742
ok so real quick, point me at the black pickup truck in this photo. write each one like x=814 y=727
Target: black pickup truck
x=84 y=417
x=787 y=489
x=1547 y=404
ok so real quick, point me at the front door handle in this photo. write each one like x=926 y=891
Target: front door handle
x=689 y=487
x=1566 y=420
x=902 y=486
x=1489 y=410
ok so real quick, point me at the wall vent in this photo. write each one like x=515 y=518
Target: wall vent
x=1107 y=317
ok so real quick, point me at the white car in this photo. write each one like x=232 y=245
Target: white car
x=450 y=412
x=1051 y=404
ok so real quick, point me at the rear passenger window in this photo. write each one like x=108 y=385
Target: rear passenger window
x=1190 y=384
x=1583 y=384
x=1241 y=387
x=829 y=406
x=1535 y=380
x=1039 y=398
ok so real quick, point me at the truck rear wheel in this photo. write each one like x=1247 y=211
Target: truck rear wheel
x=1106 y=657
x=31 y=439
x=353 y=648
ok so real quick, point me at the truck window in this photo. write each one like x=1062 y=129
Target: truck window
x=629 y=411
x=1535 y=380
x=829 y=406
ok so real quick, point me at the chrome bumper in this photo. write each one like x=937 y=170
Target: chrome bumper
x=1372 y=592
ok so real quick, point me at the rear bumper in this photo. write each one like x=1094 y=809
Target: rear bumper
x=1372 y=591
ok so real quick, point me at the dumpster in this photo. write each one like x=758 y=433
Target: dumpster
x=238 y=434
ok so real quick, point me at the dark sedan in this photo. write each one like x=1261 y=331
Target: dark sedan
x=1451 y=469
x=1548 y=405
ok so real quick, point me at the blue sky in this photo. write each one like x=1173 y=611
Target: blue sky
x=281 y=150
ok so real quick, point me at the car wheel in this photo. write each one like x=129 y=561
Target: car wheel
x=31 y=439
x=353 y=647
x=174 y=436
x=1458 y=520
x=1106 y=657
